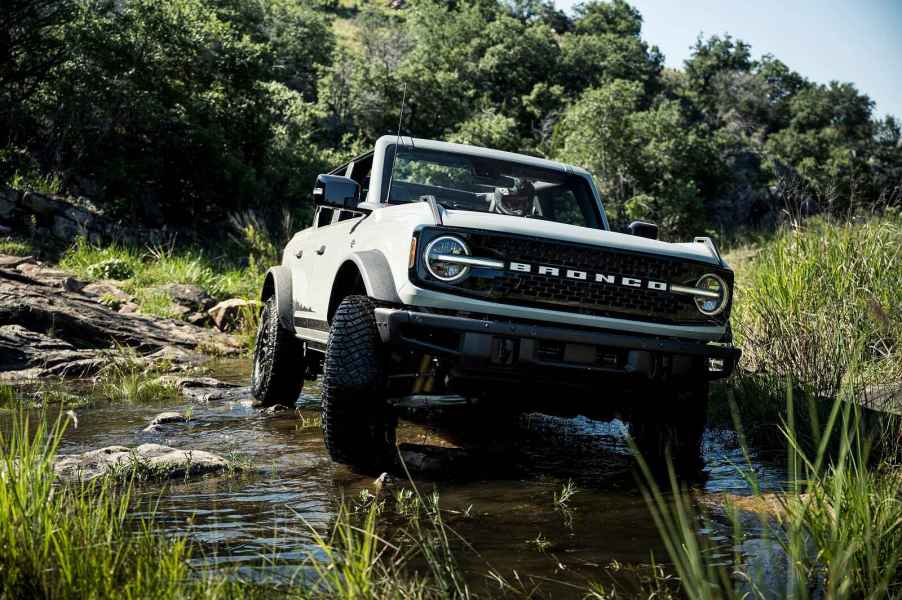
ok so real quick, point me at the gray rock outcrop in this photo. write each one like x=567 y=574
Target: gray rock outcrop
x=60 y=219
x=148 y=461
x=50 y=325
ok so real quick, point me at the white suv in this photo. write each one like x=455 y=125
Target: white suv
x=438 y=273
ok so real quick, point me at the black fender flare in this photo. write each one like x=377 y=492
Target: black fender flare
x=278 y=283
x=377 y=275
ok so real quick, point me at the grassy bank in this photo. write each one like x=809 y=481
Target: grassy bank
x=821 y=304
x=835 y=533
x=75 y=541
x=142 y=270
x=818 y=317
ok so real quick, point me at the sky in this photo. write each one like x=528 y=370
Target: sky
x=845 y=40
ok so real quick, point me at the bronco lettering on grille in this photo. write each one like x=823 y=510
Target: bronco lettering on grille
x=633 y=282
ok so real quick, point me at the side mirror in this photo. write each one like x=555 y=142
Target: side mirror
x=336 y=191
x=643 y=229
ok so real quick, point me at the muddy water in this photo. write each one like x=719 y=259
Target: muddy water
x=500 y=503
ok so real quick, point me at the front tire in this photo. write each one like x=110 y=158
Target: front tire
x=358 y=427
x=278 y=374
x=669 y=425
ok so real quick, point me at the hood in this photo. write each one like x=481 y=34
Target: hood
x=572 y=233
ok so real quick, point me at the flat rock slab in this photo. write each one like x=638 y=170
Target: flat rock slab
x=165 y=418
x=207 y=389
x=205 y=395
x=152 y=461
x=49 y=326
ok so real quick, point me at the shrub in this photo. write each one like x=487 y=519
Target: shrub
x=112 y=268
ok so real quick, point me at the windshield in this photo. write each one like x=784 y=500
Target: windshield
x=465 y=182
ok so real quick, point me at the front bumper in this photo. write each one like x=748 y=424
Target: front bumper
x=488 y=345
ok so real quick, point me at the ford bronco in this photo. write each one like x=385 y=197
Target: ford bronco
x=438 y=273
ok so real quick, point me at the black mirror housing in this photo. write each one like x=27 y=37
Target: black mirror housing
x=336 y=191
x=643 y=229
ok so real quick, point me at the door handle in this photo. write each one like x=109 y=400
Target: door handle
x=322 y=250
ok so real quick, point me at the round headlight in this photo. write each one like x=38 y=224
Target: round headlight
x=437 y=256
x=715 y=301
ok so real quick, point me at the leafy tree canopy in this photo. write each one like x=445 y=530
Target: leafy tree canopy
x=179 y=111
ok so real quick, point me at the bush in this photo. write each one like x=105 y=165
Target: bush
x=112 y=268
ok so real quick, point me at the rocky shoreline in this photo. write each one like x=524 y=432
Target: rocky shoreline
x=53 y=325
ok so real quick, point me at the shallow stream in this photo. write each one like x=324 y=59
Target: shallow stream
x=501 y=503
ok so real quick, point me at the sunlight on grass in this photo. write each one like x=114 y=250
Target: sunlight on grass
x=822 y=304
x=16 y=247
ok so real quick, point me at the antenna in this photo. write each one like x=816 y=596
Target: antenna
x=394 y=159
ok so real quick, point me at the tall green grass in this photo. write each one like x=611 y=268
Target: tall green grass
x=74 y=541
x=79 y=540
x=142 y=270
x=817 y=308
x=163 y=264
x=838 y=526
x=821 y=304
x=16 y=246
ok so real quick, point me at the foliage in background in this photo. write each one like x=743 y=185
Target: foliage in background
x=183 y=111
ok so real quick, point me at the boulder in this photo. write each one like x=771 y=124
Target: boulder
x=43 y=275
x=28 y=354
x=147 y=461
x=107 y=292
x=129 y=308
x=183 y=382
x=207 y=389
x=192 y=297
x=205 y=395
x=227 y=314
x=201 y=319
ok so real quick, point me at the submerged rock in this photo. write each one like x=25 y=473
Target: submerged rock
x=204 y=395
x=207 y=389
x=275 y=409
x=147 y=461
x=165 y=418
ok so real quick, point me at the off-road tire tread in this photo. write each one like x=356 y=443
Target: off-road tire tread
x=671 y=425
x=283 y=377
x=358 y=428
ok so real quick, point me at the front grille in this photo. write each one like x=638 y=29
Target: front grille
x=586 y=296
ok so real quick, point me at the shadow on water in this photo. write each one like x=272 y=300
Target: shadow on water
x=501 y=501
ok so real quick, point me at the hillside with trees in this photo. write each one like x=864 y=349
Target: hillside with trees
x=180 y=112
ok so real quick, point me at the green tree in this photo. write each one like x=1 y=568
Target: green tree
x=606 y=44
x=646 y=161
x=827 y=142
x=489 y=129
